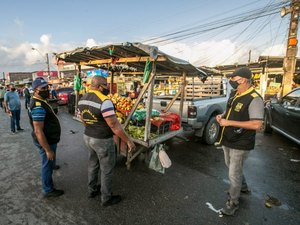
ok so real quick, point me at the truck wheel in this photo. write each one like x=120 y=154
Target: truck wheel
x=266 y=125
x=211 y=131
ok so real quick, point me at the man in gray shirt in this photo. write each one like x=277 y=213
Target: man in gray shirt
x=243 y=116
x=13 y=108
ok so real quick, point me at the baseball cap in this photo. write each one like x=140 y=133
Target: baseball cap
x=39 y=82
x=244 y=72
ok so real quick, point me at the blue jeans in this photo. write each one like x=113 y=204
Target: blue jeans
x=47 y=168
x=15 y=120
x=102 y=156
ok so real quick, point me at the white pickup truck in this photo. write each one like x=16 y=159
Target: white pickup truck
x=203 y=101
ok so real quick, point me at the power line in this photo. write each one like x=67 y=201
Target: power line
x=196 y=30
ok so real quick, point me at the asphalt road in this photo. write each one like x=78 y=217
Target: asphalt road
x=197 y=176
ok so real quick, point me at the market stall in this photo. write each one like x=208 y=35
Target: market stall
x=137 y=58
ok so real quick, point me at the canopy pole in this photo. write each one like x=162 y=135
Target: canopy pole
x=149 y=104
x=142 y=93
x=112 y=82
x=77 y=92
x=182 y=95
x=172 y=101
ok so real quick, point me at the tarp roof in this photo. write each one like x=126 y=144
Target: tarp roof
x=132 y=54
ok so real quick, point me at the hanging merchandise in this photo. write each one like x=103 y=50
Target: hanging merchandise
x=111 y=50
x=77 y=82
x=147 y=71
x=155 y=163
x=163 y=157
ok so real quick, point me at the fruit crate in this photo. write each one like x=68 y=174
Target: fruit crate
x=160 y=127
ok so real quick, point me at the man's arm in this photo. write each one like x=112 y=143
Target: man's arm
x=250 y=125
x=256 y=115
x=5 y=103
x=116 y=127
x=39 y=133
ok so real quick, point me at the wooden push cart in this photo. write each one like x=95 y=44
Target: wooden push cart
x=135 y=55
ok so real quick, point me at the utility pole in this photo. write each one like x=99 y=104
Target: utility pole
x=289 y=63
x=249 y=59
x=48 y=66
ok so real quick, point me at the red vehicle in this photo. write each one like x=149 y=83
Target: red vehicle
x=63 y=95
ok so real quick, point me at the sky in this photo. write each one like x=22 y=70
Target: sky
x=63 y=25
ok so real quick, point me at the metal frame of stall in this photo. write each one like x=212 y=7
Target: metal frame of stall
x=147 y=143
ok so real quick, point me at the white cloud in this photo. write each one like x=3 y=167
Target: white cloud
x=209 y=53
x=277 y=50
x=45 y=39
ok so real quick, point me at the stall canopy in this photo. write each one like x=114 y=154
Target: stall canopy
x=133 y=55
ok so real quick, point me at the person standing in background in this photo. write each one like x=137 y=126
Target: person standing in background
x=2 y=93
x=27 y=96
x=13 y=108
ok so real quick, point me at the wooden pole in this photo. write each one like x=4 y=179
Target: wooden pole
x=77 y=92
x=112 y=83
x=142 y=93
x=149 y=104
x=182 y=95
x=173 y=100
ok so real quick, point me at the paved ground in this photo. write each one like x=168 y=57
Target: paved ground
x=198 y=175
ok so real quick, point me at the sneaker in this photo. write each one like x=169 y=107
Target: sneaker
x=246 y=190
x=114 y=199
x=93 y=194
x=20 y=129
x=229 y=208
x=54 y=193
x=243 y=191
x=13 y=131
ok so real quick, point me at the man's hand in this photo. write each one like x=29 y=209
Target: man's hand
x=50 y=155
x=224 y=122
x=131 y=146
x=219 y=117
x=8 y=112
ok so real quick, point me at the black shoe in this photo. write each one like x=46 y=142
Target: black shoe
x=20 y=129
x=114 y=199
x=56 y=167
x=93 y=194
x=246 y=191
x=54 y=193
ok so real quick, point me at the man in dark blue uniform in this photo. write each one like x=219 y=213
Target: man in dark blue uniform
x=46 y=134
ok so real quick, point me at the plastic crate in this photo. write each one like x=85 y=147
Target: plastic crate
x=160 y=127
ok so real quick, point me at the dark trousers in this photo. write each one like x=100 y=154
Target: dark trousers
x=27 y=101
x=1 y=102
x=15 y=120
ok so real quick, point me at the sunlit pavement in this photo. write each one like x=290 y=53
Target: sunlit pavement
x=197 y=176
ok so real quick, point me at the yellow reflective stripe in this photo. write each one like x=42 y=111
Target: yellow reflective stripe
x=230 y=109
x=46 y=104
x=101 y=96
